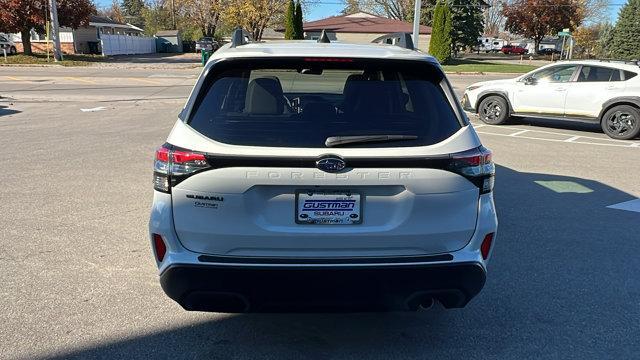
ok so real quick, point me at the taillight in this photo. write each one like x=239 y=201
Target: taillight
x=477 y=166
x=172 y=166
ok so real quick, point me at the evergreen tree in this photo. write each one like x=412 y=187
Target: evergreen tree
x=289 y=21
x=603 y=44
x=298 y=22
x=626 y=34
x=440 y=45
x=468 y=23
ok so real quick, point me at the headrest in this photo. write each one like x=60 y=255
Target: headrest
x=348 y=84
x=264 y=96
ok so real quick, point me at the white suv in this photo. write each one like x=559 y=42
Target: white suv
x=7 y=44
x=316 y=176
x=605 y=92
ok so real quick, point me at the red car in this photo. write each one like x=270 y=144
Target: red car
x=514 y=49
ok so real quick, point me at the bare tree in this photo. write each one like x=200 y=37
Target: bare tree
x=596 y=11
x=204 y=13
x=493 y=18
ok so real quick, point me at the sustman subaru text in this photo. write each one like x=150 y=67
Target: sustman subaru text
x=322 y=176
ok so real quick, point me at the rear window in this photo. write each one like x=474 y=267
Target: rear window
x=302 y=102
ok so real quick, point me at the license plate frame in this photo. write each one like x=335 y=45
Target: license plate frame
x=328 y=197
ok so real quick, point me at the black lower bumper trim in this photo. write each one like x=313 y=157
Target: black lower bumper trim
x=300 y=289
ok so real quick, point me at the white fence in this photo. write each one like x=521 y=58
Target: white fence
x=127 y=45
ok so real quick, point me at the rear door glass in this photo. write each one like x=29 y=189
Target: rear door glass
x=300 y=103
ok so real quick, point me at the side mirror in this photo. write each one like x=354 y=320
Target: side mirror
x=530 y=80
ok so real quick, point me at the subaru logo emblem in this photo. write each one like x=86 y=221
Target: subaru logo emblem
x=330 y=164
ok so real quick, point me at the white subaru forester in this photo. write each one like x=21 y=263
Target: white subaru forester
x=318 y=176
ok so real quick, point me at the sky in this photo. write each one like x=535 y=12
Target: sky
x=327 y=8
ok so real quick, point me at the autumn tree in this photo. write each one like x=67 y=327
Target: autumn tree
x=626 y=34
x=537 y=18
x=254 y=16
x=586 y=38
x=23 y=15
x=115 y=12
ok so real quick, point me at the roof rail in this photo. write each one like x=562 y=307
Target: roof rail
x=400 y=39
x=240 y=37
x=324 y=38
x=632 y=62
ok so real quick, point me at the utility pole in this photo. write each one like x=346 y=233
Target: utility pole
x=55 y=36
x=416 y=22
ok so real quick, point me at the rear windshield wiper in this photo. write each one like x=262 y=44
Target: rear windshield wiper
x=342 y=140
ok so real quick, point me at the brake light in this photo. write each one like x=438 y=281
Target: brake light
x=172 y=166
x=477 y=166
x=334 y=60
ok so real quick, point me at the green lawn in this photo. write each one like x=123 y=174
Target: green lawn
x=461 y=65
x=68 y=60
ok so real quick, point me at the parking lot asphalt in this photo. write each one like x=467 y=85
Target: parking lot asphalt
x=78 y=278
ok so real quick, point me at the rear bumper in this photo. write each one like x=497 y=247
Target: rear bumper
x=286 y=288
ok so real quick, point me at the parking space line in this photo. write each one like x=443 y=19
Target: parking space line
x=557 y=140
x=13 y=78
x=146 y=81
x=572 y=139
x=478 y=126
x=81 y=80
x=635 y=144
x=519 y=132
x=557 y=133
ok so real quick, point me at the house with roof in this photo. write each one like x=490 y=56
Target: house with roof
x=362 y=27
x=83 y=40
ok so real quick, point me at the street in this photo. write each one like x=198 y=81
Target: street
x=79 y=280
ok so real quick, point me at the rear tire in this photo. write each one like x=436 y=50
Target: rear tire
x=621 y=122
x=13 y=50
x=493 y=110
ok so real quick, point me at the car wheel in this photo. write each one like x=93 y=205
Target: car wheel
x=621 y=122
x=493 y=110
x=13 y=50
